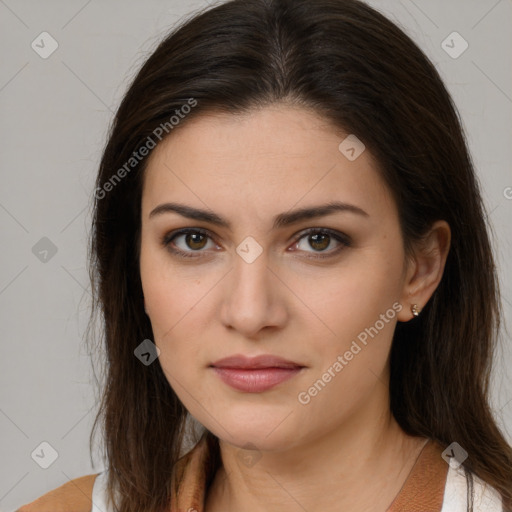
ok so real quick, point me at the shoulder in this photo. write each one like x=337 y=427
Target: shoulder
x=73 y=496
x=459 y=487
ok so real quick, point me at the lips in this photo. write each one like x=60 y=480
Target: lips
x=255 y=374
x=247 y=363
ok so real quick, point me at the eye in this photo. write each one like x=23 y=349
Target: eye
x=195 y=239
x=320 y=239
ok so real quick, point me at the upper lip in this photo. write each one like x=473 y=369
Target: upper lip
x=263 y=361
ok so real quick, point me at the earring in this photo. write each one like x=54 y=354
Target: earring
x=415 y=311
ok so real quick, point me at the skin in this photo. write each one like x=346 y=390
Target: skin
x=248 y=168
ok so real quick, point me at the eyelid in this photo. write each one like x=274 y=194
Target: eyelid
x=169 y=237
x=339 y=236
x=342 y=239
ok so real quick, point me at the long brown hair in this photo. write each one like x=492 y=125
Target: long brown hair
x=356 y=68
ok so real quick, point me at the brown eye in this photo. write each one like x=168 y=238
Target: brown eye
x=320 y=239
x=195 y=240
x=186 y=242
x=189 y=243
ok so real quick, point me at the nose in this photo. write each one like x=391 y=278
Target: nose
x=254 y=299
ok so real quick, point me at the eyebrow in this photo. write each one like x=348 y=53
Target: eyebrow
x=281 y=220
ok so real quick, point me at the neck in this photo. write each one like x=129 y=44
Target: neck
x=330 y=472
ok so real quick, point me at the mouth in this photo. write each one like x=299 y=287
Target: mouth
x=256 y=374
x=255 y=363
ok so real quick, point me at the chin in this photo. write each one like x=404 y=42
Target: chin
x=254 y=439
x=256 y=426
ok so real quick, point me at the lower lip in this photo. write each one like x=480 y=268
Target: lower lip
x=257 y=380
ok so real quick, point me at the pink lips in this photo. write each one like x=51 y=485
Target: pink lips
x=255 y=374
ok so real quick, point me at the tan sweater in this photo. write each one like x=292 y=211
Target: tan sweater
x=422 y=491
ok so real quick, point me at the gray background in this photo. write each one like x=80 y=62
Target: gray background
x=54 y=118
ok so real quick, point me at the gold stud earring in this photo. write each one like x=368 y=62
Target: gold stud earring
x=415 y=311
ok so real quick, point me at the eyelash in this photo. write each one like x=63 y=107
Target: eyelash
x=344 y=240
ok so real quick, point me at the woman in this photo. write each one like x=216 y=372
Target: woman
x=289 y=246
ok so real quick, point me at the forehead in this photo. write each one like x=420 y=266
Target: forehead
x=265 y=161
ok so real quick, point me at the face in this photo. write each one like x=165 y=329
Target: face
x=319 y=292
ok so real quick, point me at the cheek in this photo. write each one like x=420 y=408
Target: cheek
x=351 y=366
x=355 y=296
x=176 y=315
x=169 y=294
x=360 y=308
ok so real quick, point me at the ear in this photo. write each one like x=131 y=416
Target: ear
x=425 y=269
